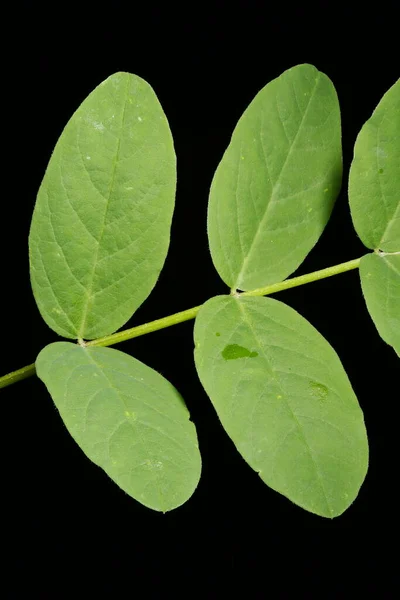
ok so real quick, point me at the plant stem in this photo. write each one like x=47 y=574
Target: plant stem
x=302 y=279
x=18 y=375
x=127 y=334
x=190 y=313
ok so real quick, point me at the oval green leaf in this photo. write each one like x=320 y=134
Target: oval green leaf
x=127 y=419
x=374 y=180
x=380 y=282
x=284 y=399
x=274 y=189
x=101 y=225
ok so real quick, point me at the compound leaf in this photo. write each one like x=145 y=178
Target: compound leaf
x=101 y=225
x=284 y=399
x=374 y=181
x=127 y=419
x=380 y=282
x=274 y=189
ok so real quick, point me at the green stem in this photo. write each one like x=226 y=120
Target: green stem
x=18 y=375
x=302 y=279
x=190 y=313
x=128 y=334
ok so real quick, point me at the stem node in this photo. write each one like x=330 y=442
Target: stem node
x=187 y=315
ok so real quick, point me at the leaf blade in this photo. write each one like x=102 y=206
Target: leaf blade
x=265 y=191
x=127 y=419
x=287 y=403
x=101 y=224
x=380 y=282
x=374 y=189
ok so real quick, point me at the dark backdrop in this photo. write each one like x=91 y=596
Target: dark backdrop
x=65 y=519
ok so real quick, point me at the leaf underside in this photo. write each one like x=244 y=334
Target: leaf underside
x=374 y=180
x=274 y=189
x=127 y=419
x=380 y=282
x=284 y=399
x=101 y=224
x=99 y=237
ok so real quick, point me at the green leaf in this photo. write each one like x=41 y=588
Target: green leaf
x=380 y=282
x=101 y=225
x=127 y=419
x=284 y=399
x=274 y=189
x=374 y=181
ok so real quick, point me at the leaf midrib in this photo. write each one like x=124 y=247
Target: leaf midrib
x=89 y=289
x=261 y=223
x=294 y=416
x=396 y=212
x=88 y=354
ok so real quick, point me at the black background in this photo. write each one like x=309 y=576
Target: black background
x=65 y=520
